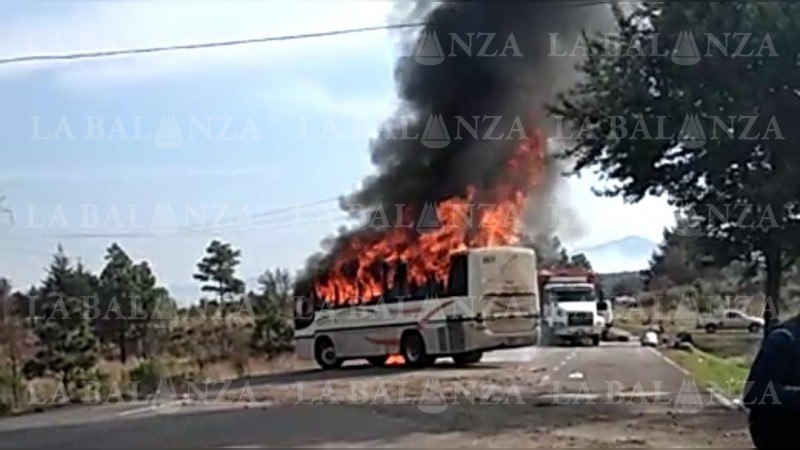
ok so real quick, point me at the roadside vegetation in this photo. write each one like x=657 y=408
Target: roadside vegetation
x=735 y=245
x=725 y=375
x=115 y=335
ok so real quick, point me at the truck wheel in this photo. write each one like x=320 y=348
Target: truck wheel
x=412 y=347
x=325 y=354
x=754 y=328
x=377 y=361
x=711 y=328
x=595 y=341
x=464 y=359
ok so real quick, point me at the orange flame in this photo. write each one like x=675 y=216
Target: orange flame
x=395 y=360
x=480 y=218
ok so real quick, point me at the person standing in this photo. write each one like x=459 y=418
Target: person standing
x=772 y=392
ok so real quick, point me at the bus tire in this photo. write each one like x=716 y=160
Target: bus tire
x=463 y=359
x=377 y=361
x=412 y=347
x=325 y=353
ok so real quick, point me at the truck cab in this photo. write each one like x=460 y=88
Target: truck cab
x=569 y=299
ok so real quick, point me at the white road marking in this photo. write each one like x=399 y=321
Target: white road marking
x=131 y=412
x=669 y=361
x=725 y=401
x=178 y=406
x=575 y=376
x=632 y=395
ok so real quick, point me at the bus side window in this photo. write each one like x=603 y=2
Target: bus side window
x=457 y=278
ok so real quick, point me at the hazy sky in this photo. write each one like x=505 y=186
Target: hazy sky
x=152 y=150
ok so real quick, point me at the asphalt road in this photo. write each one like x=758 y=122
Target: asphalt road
x=598 y=396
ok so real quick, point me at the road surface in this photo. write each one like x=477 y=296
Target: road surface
x=617 y=395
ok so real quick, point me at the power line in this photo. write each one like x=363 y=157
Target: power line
x=305 y=214
x=168 y=48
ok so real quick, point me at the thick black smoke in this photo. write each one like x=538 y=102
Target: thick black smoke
x=510 y=72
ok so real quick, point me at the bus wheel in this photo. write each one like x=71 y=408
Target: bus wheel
x=325 y=354
x=377 y=361
x=463 y=359
x=413 y=349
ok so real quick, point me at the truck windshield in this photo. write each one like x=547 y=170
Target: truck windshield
x=572 y=295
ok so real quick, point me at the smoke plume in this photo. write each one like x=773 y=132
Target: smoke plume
x=506 y=76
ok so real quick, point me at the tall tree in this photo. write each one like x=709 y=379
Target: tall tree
x=580 y=260
x=15 y=345
x=715 y=133
x=217 y=270
x=676 y=261
x=273 y=309
x=154 y=308
x=549 y=250
x=117 y=303
x=68 y=348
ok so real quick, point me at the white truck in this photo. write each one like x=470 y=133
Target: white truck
x=606 y=310
x=569 y=312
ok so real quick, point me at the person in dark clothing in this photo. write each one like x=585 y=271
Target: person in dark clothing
x=772 y=392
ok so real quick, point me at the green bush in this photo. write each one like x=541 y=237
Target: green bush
x=147 y=376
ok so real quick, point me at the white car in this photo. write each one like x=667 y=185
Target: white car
x=731 y=319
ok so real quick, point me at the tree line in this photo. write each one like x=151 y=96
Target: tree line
x=739 y=186
x=62 y=327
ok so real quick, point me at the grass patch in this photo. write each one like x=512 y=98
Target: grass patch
x=731 y=345
x=724 y=374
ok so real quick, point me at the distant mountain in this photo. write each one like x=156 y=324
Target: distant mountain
x=626 y=254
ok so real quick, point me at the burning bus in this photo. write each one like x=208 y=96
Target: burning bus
x=455 y=283
x=489 y=301
x=466 y=145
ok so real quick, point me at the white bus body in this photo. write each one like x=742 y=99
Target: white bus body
x=491 y=302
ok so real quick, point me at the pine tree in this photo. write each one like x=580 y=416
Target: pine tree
x=68 y=347
x=273 y=309
x=117 y=288
x=217 y=271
